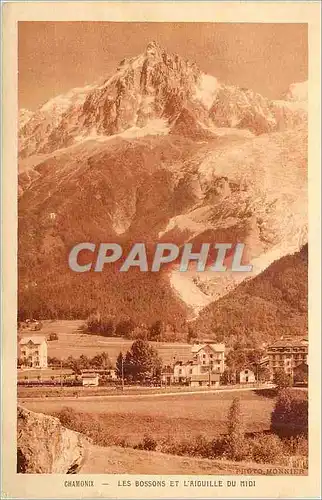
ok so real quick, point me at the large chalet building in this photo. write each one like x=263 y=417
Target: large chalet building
x=205 y=367
x=33 y=352
x=287 y=355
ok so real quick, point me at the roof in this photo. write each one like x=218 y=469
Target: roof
x=214 y=347
x=248 y=369
x=89 y=375
x=37 y=340
x=289 y=343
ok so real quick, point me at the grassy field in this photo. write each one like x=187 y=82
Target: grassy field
x=164 y=416
x=115 y=460
x=72 y=342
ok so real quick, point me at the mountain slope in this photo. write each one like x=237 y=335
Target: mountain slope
x=269 y=306
x=158 y=152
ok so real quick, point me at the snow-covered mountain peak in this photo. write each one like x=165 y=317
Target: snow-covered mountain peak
x=154 y=85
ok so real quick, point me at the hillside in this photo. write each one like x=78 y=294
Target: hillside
x=270 y=305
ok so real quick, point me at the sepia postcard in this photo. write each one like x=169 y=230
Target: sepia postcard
x=161 y=250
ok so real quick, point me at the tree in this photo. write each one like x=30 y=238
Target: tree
x=263 y=373
x=101 y=361
x=119 y=365
x=156 y=331
x=128 y=370
x=282 y=380
x=192 y=334
x=225 y=377
x=53 y=361
x=139 y=332
x=124 y=328
x=236 y=361
x=73 y=364
x=84 y=363
x=236 y=431
x=142 y=361
x=101 y=326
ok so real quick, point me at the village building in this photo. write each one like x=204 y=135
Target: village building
x=247 y=376
x=286 y=355
x=167 y=375
x=33 y=352
x=205 y=368
x=90 y=379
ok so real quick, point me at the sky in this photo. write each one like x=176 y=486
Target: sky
x=54 y=57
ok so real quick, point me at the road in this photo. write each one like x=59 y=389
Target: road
x=139 y=396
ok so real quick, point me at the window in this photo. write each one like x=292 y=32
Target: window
x=204 y=362
x=246 y=372
x=211 y=356
x=180 y=371
x=190 y=371
x=203 y=355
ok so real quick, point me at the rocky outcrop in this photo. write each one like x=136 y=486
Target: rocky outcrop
x=44 y=446
x=187 y=125
x=242 y=108
x=24 y=116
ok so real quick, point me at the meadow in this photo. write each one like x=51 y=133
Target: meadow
x=73 y=342
x=130 y=417
x=184 y=416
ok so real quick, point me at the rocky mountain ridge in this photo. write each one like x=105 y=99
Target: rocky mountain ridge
x=153 y=85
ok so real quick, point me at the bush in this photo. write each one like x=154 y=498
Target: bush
x=148 y=443
x=282 y=380
x=52 y=336
x=267 y=448
x=202 y=447
x=68 y=417
x=290 y=415
x=297 y=446
x=219 y=446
